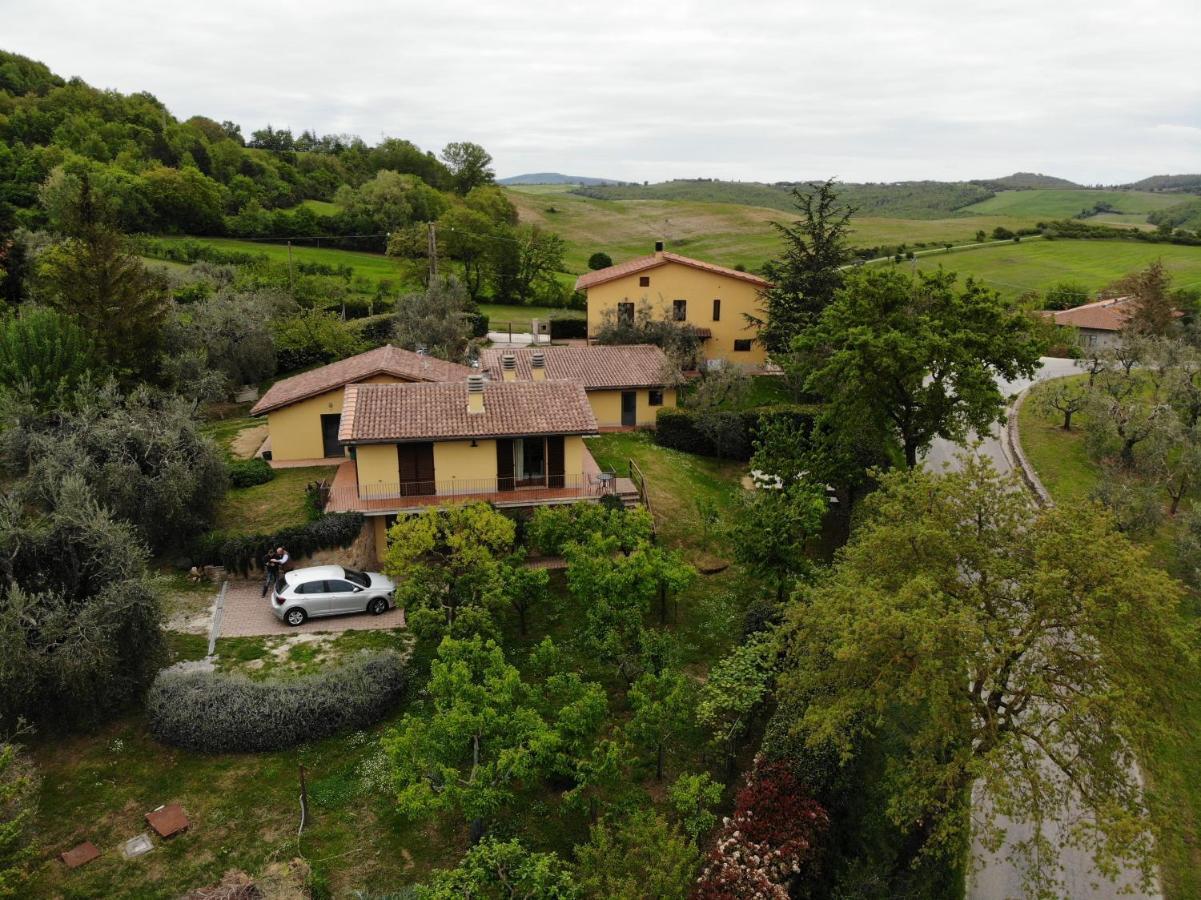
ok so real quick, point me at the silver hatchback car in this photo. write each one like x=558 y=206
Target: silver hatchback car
x=329 y=591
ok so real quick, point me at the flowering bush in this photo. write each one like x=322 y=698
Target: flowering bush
x=766 y=843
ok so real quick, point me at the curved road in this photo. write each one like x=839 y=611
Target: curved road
x=998 y=877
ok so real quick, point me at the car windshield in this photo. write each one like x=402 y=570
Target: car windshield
x=359 y=578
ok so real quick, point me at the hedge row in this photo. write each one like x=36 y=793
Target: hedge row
x=565 y=329
x=681 y=429
x=242 y=553
x=215 y=713
x=249 y=472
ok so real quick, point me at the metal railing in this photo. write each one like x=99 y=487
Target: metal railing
x=379 y=495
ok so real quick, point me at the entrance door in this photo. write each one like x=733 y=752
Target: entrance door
x=416 y=469
x=555 y=461
x=330 y=445
x=629 y=408
x=529 y=461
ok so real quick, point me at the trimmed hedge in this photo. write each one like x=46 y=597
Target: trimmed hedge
x=677 y=428
x=214 y=713
x=242 y=553
x=373 y=330
x=249 y=472
x=565 y=329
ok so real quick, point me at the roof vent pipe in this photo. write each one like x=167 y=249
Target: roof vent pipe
x=508 y=364
x=475 y=394
x=538 y=365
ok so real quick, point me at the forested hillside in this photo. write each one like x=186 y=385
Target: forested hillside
x=152 y=172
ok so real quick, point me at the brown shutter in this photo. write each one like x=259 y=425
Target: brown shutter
x=555 y=461
x=504 y=464
x=425 y=469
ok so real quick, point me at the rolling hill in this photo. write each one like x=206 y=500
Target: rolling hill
x=555 y=178
x=1025 y=181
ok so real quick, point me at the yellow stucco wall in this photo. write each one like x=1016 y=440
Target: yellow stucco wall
x=296 y=429
x=378 y=468
x=673 y=281
x=606 y=406
x=573 y=456
x=459 y=461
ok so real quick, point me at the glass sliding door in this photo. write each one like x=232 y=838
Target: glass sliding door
x=529 y=461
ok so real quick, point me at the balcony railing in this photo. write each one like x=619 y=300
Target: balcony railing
x=404 y=495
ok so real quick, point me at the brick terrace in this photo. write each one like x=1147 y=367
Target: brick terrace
x=247 y=613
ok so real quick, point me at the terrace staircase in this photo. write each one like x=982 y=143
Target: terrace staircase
x=628 y=492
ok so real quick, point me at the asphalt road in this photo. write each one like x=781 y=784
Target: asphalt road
x=998 y=877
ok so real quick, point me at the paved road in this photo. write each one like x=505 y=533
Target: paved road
x=999 y=877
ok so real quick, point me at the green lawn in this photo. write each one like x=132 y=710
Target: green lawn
x=1174 y=772
x=1046 y=204
x=691 y=495
x=265 y=508
x=1035 y=265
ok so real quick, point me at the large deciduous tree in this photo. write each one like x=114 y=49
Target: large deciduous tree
x=805 y=278
x=992 y=642
x=470 y=165
x=452 y=564
x=481 y=738
x=920 y=357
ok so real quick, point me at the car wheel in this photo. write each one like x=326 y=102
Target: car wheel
x=295 y=616
x=377 y=606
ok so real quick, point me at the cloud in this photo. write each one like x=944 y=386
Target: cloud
x=1095 y=90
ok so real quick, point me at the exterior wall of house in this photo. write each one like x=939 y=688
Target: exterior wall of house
x=379 y=526
x=378 y=469
x=674 y=281
x=1090 y=338
x=606 y=406
x=459 y=461
x=295 y=429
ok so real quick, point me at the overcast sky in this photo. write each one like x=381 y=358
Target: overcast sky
x=866 y=90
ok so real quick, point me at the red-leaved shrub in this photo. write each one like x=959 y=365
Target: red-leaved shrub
x=774 y=831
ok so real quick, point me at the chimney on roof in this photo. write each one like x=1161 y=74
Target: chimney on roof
x=508 y=367
x=421 y=351
x=658 y=246
x=538 y=365
x=475 y=394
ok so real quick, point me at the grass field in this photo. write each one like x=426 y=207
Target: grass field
x=725 y=233
x=1064 y=204
x=1035 y=265
x=1174 y=771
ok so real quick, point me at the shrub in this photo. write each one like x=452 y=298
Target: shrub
x=249 y=472
x=682 y=429
x=214 y=713
x=599 y=260
x=478 y=322
x=373 y=329
x=565 y=329
x=241 y=553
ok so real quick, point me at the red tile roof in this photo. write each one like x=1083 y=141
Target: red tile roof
x=1103 y=315
x=597 y=367
x=645 y=263
x=385 y=413
x=385 y=360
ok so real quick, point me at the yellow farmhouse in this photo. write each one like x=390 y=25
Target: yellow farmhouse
x=513 y=444
x=712 y=299
x=626 y=385
x=304 y=412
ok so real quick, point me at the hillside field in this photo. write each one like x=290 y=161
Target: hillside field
x=1035 y=265
x=725 y=233
x=1065 y=204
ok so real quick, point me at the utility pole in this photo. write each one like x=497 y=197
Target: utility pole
x=291 y=286
x=433 y=251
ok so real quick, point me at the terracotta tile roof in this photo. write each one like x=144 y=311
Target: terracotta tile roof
x=645 y=263
x=382 y=413
x=1103 y=315
x=385 y=360
x=595 y=367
